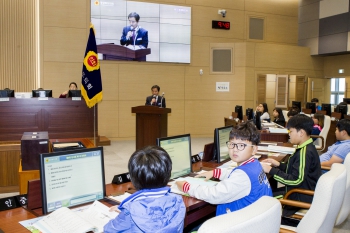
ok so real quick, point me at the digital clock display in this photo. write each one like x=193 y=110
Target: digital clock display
x=220 y=25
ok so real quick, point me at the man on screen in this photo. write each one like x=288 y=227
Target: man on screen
x=134 y=34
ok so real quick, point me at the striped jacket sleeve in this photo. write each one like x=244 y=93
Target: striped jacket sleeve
x=296 y=174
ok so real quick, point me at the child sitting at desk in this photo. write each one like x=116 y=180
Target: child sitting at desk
x=318 y=119
x=240 y=186
x=152 y=208
x=302 y=169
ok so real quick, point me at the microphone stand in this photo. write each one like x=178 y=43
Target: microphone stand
x=161 y=101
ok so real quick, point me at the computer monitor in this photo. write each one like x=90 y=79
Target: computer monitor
x=249 y=113
x=41 y=93
x=221 y=136
x=327 y=108
x=7 y=93
x=74 y=93
x=258 y=120
x=297 y=104
x=70 y=178
x=312 y=106
x=346 y=100
x=343 y=109
x=238 y=110
x=179 y=149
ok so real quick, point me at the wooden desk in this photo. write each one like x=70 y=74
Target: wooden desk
x=273 y=137
x=61 y=117
x=195 y=209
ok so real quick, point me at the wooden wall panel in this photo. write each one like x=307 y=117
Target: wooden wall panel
x=288 y=8
x=58 y=75
x=18 y=40
x=108 y=115
x=75 y=13
x=64 y=44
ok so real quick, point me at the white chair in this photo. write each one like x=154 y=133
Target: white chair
x=345 y=208
x=328 y=198
x=320 y=142
x=285 y=112
x=264 y=215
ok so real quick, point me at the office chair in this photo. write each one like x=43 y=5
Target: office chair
x=328 y=198
x=320 y=142
x=264 y=215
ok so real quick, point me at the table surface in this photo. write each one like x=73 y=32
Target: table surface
x=9 y=219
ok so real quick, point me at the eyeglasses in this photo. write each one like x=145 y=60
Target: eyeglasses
x=239 y=146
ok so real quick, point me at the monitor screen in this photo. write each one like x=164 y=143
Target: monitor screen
x=179 y=150
x=327 y=108
x=346 y=100
x=249 y=113
x=238 y=110
x=7 y=93
x=312 y=106
x=258 y=120
x=74 y=93
x=70 y=178
x=42 y=93
x=221 y=136
x=162 y=32
x=343 y=109
x=297 y=104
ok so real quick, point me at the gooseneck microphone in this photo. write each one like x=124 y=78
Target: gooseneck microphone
x=161 y=101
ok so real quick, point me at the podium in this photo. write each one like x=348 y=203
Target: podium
x=151 y=123
x=118 y=52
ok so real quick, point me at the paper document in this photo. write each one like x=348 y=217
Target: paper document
x=65 y=220
x=119 y=198
x=281 y=149
x=277 y=130
x=191 y=180
x=62 y=145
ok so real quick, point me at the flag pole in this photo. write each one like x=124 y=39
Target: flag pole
x=95 y=125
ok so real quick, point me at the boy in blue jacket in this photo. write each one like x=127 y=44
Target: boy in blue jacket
x=152 y=208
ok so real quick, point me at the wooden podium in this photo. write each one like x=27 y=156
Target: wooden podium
x=118 y=52
x=151 y=123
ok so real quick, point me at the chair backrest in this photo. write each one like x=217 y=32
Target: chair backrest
x=324 y=132
x=264 y=215
x=328 y=198
x=345 y=208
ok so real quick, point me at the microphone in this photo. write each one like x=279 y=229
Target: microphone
x=161 y=101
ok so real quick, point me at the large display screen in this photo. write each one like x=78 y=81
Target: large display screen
x=162 y=33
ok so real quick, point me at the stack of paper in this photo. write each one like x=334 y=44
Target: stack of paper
x=281 y=149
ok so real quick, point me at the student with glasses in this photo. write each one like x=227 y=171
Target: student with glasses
x=240 y=186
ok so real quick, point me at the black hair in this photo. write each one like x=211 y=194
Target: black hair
x=314 y=100
x=246 y=131
x=265 y=107
x=280 y=114
x=155 y=86
x=301 y=121
x=344 y=124
x=135 y=15
x=150 y=168
x=293 y=112
x=74 y=84
x=7 y=89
